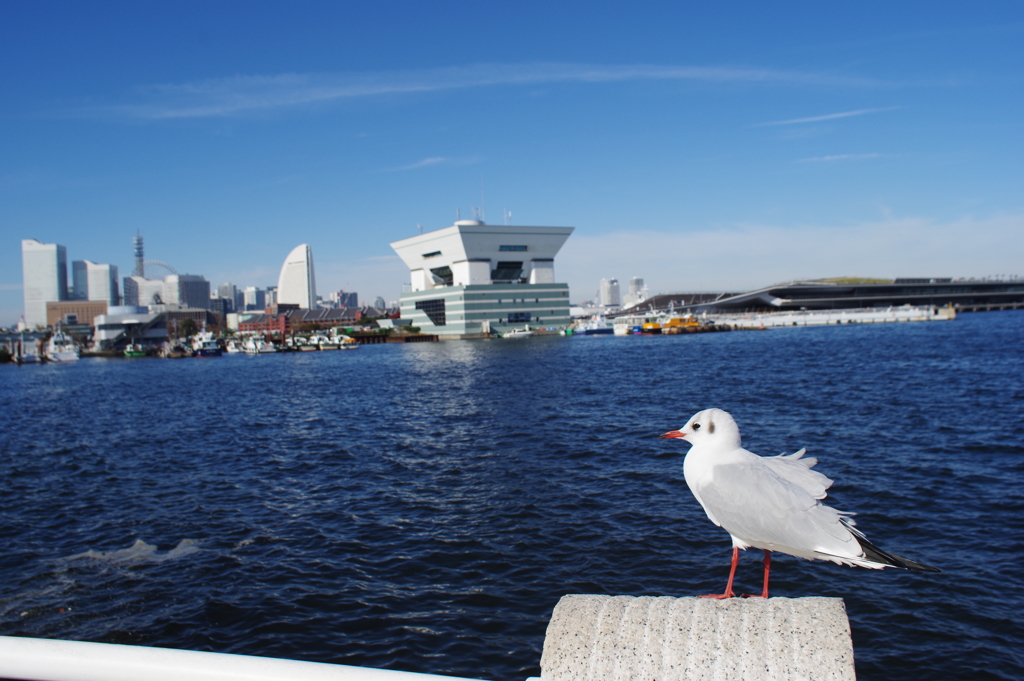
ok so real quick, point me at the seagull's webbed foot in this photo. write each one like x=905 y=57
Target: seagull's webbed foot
x=727 y=594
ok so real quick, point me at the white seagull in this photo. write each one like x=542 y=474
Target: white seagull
x=771 y=503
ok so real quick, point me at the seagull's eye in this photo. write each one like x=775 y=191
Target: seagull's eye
x=696 y=427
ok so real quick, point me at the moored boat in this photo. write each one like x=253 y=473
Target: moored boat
x=596 y=325
x=61 y=348
x=258 y=346
x=134 y=350
x=203 y=345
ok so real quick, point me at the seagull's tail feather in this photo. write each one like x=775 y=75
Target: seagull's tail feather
x=883 y=558
x=877 y=555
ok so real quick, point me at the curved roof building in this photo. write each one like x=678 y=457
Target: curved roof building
x=297 y=283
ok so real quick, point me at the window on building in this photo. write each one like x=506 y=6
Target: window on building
x=434 y=309
x=507 y=271
x=511 y=248
x=432 y=255
x=514 y=317
x=443 y=275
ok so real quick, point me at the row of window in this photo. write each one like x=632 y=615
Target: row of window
x=434 y=254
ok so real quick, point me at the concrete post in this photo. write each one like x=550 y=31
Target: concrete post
x=612 y=638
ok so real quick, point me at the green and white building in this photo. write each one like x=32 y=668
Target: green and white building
x=472 y=279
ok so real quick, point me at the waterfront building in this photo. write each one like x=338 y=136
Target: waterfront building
x=188 y=290
x=44 y=269
x=94 y=281
x=610 y=294
x=297 y=283
x=473 y=278
x=129 y=324
x=141 y=291
x=850 y=293
x=69 y=312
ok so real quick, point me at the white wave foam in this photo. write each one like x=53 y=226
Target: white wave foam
x=140 y=552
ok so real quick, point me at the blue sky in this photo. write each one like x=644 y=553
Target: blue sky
x=702 y=146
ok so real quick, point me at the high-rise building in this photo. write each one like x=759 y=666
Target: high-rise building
x=255 y=298
x=93 y=281
x=637 y=292
x=188 y=290
x=464 y=281
x=610 y=293
x=44 y=271
x=231 y=292
x=345 y=299
x=297 y=283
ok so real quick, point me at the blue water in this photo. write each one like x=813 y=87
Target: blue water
x=423 y=507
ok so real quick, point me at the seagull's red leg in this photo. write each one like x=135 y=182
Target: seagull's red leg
x=767 y=567
x=732 y=574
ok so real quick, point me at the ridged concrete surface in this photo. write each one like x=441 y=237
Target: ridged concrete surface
x=626 y=637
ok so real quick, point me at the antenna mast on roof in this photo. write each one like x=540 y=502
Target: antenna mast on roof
x=140 y=261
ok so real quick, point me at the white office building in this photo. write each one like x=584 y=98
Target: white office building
x=297 y=283
x=44 y=271
x=610 y=294
x=93 y=281
x=474 y=278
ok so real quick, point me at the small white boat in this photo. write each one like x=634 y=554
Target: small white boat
x=325 y=343
x=258 y=346
x=233 y=347
x=346 y=342
x=518 y=333
x=61 y=348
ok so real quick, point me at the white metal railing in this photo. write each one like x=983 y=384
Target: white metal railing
x=53 y=660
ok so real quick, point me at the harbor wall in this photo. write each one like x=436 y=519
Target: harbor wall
x=619 y=638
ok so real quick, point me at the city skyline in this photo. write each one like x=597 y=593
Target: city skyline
x=698 y=148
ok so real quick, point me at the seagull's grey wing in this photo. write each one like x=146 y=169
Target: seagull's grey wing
x=797 y=470
x=755 y=503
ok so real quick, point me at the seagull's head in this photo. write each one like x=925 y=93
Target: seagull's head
x=709 y=427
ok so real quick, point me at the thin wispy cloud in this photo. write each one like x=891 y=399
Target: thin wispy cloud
x=838 y=157
x=828 y=117
x=10 y=287
x=240 y=94
x=435 y=161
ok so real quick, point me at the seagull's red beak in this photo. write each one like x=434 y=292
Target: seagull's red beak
x=671 y=434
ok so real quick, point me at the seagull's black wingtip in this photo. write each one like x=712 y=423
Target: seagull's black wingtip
x=873 y=553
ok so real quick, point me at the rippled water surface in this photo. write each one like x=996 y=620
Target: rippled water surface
x=423 y=507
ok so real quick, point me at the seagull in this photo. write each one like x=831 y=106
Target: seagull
x=771 y=503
